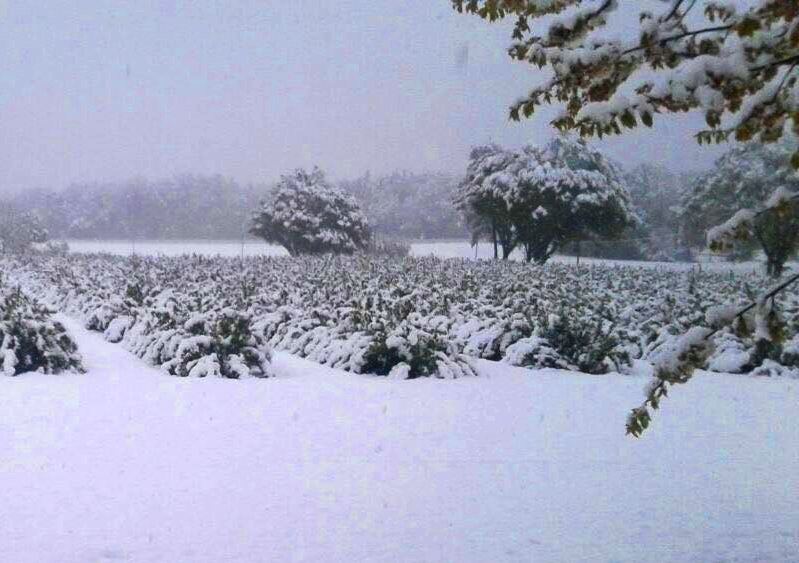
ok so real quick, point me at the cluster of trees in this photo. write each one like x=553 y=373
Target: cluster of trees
x=19 y=229
x=406 y=205
x=401 y=205
x=536 y=199
x=495 y=201
x=181 y=207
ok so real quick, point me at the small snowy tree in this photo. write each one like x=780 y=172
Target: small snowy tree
x=30 y=340
x=543 y=197
x=19 y=230
x=307 y=215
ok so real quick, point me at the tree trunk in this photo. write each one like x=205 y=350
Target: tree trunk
x=494 y=240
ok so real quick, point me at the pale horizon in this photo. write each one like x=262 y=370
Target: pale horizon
x=251 y=92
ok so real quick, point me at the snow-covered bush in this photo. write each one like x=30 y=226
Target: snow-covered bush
x=585 y=343
x=30 y=340
x=170 y=314
x=414 y=349
x=219 y=345
x=307 y=215
x=535 y=352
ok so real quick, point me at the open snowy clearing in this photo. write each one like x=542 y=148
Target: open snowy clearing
x=125 y=463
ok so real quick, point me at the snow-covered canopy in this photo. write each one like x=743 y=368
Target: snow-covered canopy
x=308 y=215
x=563 y=190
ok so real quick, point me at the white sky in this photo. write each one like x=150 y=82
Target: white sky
x=108 y=90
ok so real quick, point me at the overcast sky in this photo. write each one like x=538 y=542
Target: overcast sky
x=104 y=90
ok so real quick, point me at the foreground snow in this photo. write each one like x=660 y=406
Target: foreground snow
x=127 y=464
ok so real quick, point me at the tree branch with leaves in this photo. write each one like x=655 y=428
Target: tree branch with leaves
x=738 y=66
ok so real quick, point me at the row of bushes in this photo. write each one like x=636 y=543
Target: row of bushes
x=404 y=317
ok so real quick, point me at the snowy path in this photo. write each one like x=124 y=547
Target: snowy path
x=126 y=464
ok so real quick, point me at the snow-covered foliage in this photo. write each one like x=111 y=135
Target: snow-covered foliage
x=180 y=319
x=744 y=177
x=19 y=229
x=30 y=340
x=722 y=347
x=307 y=215
x=726 y=204
x=540 y=197
x=734 y=62
x=434 y=316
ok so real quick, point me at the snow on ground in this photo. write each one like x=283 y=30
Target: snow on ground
x=177 y=248
x=442 y=249
x=126 y=464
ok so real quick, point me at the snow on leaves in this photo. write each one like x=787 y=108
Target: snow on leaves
x=307 y=215
x=201 y=316
x=736 y=64
x=30 y=340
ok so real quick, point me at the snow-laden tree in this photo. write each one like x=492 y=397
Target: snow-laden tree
x=745 y=177
x=542 y=197
x=307 y=215
x=734 y=61
x=483 y=197
x=571 y=192
x=19 y=229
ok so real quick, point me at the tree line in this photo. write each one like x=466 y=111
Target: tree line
x=564 y=197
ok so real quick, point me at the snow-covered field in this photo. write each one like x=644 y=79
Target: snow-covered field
x=441 y=249
x=126 y=464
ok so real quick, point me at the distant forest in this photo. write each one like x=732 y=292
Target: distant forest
x=400 y=205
